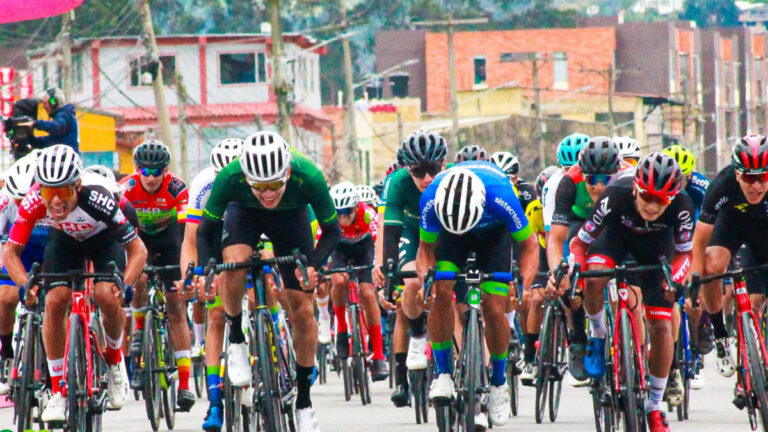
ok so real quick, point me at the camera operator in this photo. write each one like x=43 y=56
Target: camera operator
x=62 y=128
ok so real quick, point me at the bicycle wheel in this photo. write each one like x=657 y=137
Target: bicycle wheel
x=23 y=384
x=559 y=366
x=445 y=417
x=169 y=377
x=346 y=372
x=473 y=361
x=682 y=368
x=358 y=356
x=199 y=377
x=151 y=391
x=99 y=369
x=322 y=363
x=544 y=361
x=756 y=366
x=633 y=407
x=270 y=406
x=249 y=414
x=417 y=378
x=513 y=378
x=77 y=393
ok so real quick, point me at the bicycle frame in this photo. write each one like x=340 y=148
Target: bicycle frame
x=623 y=289
x=82 y=306
x=744 y=306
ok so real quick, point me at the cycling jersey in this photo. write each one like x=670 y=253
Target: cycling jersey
x=724 y=196
x=96 y=211
x=616 y=209
x=199 y=191
x=364 y=225
x=548 y=194
x=696 y=189
x=400 y=201
x=502 y=207
x=157 y=211
x=572 y=200
x=8 y=212
x=533 y=209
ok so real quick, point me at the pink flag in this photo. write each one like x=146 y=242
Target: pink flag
x=22 y=10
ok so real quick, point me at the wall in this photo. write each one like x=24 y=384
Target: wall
x=636 y=43
x=476 y=103
x=396 y=46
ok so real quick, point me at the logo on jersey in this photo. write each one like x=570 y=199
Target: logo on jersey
x=685 y=236
x=589 y=226
x=101 y=201
x=601 y=211
x=686 y=223
x=741 y=207
x=503 y=204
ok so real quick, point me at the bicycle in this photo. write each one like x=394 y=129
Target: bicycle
x=273 y=382
x=629 y=384
x=157 y=365
x=604 y=403
x=552 y=355
x=29 y=371
x=689 y=363
x=470 y=374
x=356 y=369
x=752 y=355
x=514 y=354
x=84 y=383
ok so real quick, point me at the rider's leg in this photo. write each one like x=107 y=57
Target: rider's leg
x=413 y=302
x=109 y=301
x=302 y=315
x=214 y=342
x=660 y=357
x=57 y=300
x=535 y=317
x=9 y=298
x=198 y=323
x=496 y=329
x=440 y=323
x=716 y=261
x=180 y=337
x=339 y=298
x=372 y=317
x=231 y=288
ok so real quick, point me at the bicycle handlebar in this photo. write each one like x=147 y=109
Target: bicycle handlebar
x=697 y=280
x=212 y=268
x=392 y=277
x=347 y=269
x=74 y=277
x=622 y=269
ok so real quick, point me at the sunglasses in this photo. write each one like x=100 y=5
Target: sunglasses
x=594 y=179
x=48 y=193
x=421 y=171
x=753 y=178
x=269 y=185
x=345 y=211
x=651 y=197
x=151 y=172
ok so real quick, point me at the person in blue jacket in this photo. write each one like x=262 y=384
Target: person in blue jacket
x=62 y=128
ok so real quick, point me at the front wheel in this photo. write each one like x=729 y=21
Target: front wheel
x=633 y=407
x=77 y=393
x=756 y=367
x=151 y=390
x=169 y=388
x=544 y=362
x=269 y=397
x=559 y=365
x=513 y=379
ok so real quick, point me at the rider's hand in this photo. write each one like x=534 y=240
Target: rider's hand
x=378 y=276
x=30 y=297
x=384 y=302
x=312 y=282
x=552 y=290
x=185 y=292
x=669 y=295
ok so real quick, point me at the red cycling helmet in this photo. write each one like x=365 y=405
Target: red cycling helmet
x=394 y=166
x=659 y=174
x=750 y=155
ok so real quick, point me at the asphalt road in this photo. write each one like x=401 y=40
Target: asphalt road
x=711 y=410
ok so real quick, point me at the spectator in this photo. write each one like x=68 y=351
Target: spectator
x=62 y=128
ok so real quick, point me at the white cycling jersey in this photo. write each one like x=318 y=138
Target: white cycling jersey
x=199 y=192
x=548 y=198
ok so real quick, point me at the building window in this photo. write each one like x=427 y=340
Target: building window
x=242 y=68
x=138 y=68
x=77 y=72
x=480 y=76
x=560 y=70
x=685 y=76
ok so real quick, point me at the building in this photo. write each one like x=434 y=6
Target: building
x=226 y=78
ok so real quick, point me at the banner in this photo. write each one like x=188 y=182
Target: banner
x=23 y=10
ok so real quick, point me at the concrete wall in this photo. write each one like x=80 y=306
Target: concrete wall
x=396 y=46
x=636 y=43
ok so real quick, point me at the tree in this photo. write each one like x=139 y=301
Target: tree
x=711 y=13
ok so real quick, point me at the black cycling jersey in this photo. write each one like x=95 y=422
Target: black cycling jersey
x=724 y=197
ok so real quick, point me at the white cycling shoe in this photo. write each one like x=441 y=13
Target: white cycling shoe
x=55 y=409
x=417 y=354
x=498 y=405
x=238 y=366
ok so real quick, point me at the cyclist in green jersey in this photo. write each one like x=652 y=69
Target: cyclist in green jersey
x=423 y=154
x=266 y=191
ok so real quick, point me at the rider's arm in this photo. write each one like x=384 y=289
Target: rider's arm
x=555 y=242
x=137 y=257
x=565 y=197
x=209 y=240
x=425 y=257
x=328 y=241
x=529 y=259
x=701 y=236
x=13 y=264
x=30 y=210
x=716 y=196
x=189 y=245
x=683 y=231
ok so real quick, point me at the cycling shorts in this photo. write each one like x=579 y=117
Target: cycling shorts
x=164 y=249
x=615 y=245
x=287 y=229
x=731 y=232
x=64 y=253
x=356 y=254
x=492 y=246
x=756 y=282
x=409 y=245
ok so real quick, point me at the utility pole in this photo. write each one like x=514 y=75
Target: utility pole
x=537 y=113
x=66 y=53
x=181 y=95
x=150 y=44
x=609 y=75
x=350 y=132
x=334 y=175
x=279 y=86
x=452 y=23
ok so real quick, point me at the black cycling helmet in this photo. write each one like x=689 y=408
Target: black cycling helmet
x=600 y=155
x=471 y=153
x=750 y=155
x=152 y=154
x=423 y=146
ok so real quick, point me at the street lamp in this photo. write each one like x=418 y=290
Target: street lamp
x=386 y=72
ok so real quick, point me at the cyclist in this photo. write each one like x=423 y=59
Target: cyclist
x=629 y=149
x=645 y=216
x=358 y=232
x=470 y=153
x=581 y=185
x=695 y=185
x=18 y=181
x=267 y=190
x=86 y=224
x=543 y=177
x=567 y=156
x=423 y=153
x=473 y=208
x=160 y=199
x=733 y=214
x=367 y=196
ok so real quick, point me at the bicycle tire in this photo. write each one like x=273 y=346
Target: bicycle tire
x=98 y=368
x=472 y=364
x=346 y=373
x=169 y=391
x=682 y=367
x=559 y=363
x=597 y=406
x=23 y=384
x=151 y=391
x=249 y=414
x=417 y=378
x=77 y=394
x=444 y=417
x=544 y=361
x=358 y=355
x=322 y=363
x=270 y=392
x=199 y=378
x=513 y=379
x=756 y=367
x=633 y=407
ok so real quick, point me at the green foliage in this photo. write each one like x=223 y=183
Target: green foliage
x=711 y=13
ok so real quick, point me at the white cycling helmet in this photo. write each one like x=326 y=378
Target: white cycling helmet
x=344 y=195
x=102 y=171
x=459 y=200
x=367 y=195
x=265 y=156
x=58 y=165
x=628 y=147
x=507 y=162
x=224 y=152
x=21 y=176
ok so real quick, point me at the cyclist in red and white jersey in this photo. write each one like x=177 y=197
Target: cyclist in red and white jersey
x=86 y=224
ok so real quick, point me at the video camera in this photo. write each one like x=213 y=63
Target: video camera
x=19 y=127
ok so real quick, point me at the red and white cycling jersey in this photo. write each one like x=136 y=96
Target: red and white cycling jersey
x=96 y=211
x=365 y=224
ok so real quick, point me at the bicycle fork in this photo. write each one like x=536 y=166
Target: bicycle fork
x=623 y=293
